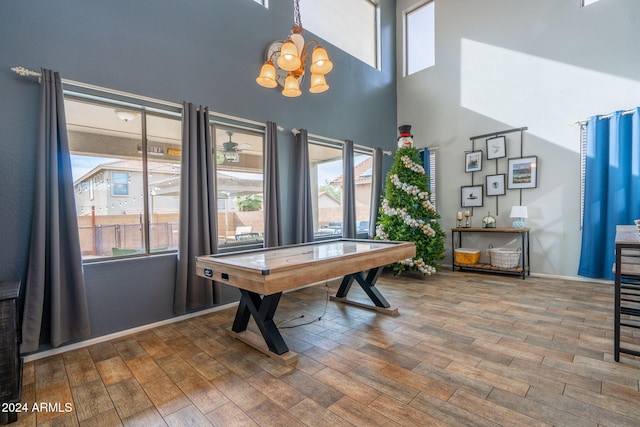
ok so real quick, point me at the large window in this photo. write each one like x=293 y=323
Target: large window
x=126 y=172
x=363 y=174
x=351 y=25
x=325 y=162
x=419 y=38
x=239 y=183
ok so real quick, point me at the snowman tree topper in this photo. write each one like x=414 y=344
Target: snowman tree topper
x=405 y=139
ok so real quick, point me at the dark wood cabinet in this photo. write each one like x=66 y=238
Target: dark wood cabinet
x=627 y=291
x=10 y=361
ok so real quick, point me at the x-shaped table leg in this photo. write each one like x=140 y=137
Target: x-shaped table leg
x=262 y=309
x=368 y=286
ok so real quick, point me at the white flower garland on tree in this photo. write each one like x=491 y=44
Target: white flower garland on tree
x=411 y=222
x=414 y=191
x=418 y=195
x=420 y=264
x=410 y=164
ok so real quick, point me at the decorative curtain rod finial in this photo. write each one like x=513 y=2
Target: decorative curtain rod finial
x=21 y=71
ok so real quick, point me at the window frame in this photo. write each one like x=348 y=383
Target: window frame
x=225 y=123
x=116 y=184
x=104 y=100
x=335 y=35
x=432 y=177
x=405 y=37
x=336 y=144
x=140 y=106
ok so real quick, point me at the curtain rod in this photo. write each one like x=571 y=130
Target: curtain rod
x=604 y=116
x=311 y=135
x=502 y=132
x=21 y=71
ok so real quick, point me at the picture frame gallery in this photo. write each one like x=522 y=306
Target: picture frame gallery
x=496 y=147
x=495 y=184
x=522 y=172
x=473 y=161
x=471 y=196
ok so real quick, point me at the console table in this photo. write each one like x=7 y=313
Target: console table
x=522 y=270
x=627 y=286
x=10 y=361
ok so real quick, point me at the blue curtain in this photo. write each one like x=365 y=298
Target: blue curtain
x=426 y=163
x=612 y=188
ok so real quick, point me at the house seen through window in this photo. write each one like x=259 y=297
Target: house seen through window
x=325 y=163
x=126 y=165
x=125 y=205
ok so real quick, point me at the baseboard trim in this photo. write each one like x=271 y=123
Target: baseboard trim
x=554 y=276
x=119 y=334
x=103 y=338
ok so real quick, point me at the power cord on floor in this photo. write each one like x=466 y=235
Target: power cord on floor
x=326 y=303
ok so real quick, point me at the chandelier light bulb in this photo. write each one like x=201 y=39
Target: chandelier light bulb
x=289 y=59
x=291 y=87
x=318 y=83
x=320 y=62
x=267 y=77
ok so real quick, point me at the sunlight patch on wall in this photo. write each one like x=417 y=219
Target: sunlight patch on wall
x=547 y=96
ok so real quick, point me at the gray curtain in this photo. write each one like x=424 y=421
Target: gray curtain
x=272 y=221
x=376 y=189
x=55 y=306
x=348 y=192
x=304 y=208
x=198 y=218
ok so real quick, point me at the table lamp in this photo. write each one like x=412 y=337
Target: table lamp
x=519 y=214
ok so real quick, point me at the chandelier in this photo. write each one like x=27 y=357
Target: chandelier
x=290 y=57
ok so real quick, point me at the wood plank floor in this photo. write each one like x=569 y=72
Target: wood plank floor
x=467 y=349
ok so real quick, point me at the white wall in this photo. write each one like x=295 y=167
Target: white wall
x=503 y=64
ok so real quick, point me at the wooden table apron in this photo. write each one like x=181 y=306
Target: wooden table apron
x=262 y=275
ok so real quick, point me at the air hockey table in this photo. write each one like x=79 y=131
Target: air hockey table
x=262 y=275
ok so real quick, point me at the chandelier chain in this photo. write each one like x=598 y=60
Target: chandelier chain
x=297 y=21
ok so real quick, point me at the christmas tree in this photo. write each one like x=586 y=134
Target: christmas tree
x=406 y=213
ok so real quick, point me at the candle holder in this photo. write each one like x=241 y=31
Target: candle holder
x=467 y=218
x=459 y=215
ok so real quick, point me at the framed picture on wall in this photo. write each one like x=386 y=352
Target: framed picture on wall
x=471 y=196
x=523 y=172
x=473 y=161
x=496 y=147
x=496 y=185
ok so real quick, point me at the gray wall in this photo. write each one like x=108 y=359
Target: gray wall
x=503 y=64
x=202 y=51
